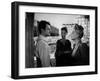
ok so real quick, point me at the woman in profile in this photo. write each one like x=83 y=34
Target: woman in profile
x=63 y=49
x=80 y=54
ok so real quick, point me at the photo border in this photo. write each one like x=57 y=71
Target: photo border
x=15 y=39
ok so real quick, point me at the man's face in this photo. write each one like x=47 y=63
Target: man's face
x=47 y=30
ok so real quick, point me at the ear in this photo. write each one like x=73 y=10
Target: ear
x=42 y=30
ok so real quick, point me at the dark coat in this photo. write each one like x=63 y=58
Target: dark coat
x=62 y=58
x=81 y=56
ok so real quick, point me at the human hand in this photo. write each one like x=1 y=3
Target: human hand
x=53 y=62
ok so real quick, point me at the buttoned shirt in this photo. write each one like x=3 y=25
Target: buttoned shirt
x=43 y=51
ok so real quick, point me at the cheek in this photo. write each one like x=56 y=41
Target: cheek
x=64 y=34
x=74 y=35
x=48 y=31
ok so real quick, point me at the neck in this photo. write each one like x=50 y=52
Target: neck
x=77 y=41
x=42 y=34
x=63 y=38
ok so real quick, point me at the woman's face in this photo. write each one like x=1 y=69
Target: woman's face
x=63 y=34
x=74 y=35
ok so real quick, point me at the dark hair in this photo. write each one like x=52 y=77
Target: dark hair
x=65 y=29
x=42 y=25
x=79 y=29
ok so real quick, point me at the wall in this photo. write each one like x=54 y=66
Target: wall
x=56 y=20
x=5 y=40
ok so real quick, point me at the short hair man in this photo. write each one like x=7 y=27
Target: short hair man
x=43 y=50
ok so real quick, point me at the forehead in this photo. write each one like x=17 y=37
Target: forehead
x=63 y=31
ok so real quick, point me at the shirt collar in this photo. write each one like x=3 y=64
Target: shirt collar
x=41 y=37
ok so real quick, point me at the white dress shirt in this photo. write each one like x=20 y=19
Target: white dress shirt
x=43 y=51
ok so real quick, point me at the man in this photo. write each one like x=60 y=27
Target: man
x=43 y=50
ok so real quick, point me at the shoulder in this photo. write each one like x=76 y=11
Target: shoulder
x=68 y=41
x=58 y=41
x=41 y=43
x=84 y=47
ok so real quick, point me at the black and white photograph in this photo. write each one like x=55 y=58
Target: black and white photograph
x=51 y=40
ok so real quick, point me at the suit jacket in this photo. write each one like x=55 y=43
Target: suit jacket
x=81 y=56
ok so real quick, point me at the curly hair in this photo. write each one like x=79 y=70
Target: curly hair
x=79 y=30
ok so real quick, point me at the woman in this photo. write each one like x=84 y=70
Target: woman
x=80 y=54
x=63 y=49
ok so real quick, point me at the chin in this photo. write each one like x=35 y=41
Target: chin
x=63 y=38
x=48 y=35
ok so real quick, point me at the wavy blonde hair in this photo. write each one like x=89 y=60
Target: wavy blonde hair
x=79 y=30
